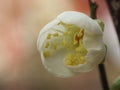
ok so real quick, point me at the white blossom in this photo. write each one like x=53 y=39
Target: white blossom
x=70 y=44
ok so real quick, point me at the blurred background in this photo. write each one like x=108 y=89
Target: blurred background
x=114 y=7
x=20 y=64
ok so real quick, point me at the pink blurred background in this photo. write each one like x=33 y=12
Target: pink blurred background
x=20 y=64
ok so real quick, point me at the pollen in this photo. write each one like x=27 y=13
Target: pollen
x=68 y=60
x=81 y=50
x=49 y=36
x=74 y=59
x=55 y=34
x=46 y=54
x=47 y=45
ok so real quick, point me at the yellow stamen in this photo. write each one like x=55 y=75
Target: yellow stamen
x=55 y=34
x=49 y=36
x=46 y=54
x=47 y=45
x=81 y=50
x=74 y=59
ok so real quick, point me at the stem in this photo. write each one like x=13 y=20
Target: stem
x=93 y=9
x=103 y=77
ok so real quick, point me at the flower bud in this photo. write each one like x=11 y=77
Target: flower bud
x=72 y=43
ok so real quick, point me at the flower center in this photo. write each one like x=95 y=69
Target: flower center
x=77 y=57
x=71 y=39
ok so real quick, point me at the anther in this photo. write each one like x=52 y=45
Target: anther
x=46 y=53
x=49 y=36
